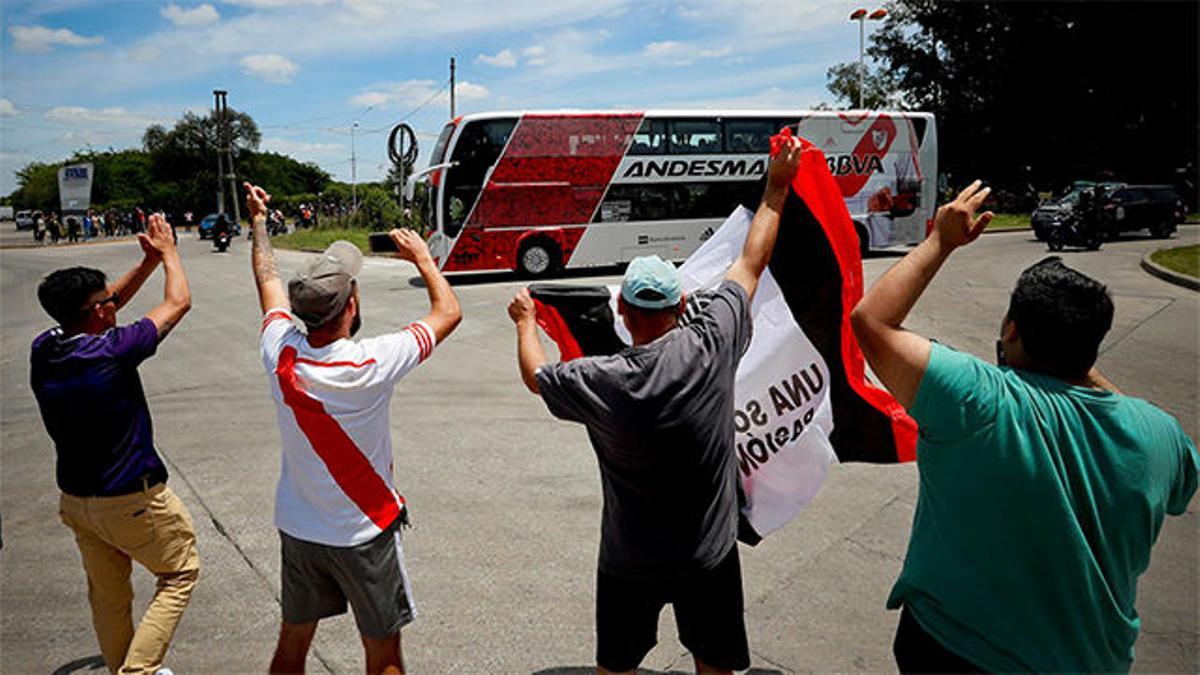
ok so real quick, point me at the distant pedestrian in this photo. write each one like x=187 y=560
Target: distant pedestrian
x=114 y=494
x=39 y=229
x=52 y=226
x=336 y=508
x=72 y=229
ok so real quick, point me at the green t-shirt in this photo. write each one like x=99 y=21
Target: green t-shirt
x=1039 y=504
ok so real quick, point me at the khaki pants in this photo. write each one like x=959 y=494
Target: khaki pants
x=152 y=527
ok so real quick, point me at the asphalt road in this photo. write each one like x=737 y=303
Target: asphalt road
x=506 y=499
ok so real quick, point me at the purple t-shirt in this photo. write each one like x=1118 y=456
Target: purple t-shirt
x=94 y=408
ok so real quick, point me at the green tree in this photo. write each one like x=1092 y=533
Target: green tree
x=842 y=80
x=1049 y=92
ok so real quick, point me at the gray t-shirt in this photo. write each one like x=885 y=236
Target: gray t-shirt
x=660 y=417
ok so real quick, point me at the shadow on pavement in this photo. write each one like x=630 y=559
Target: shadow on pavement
x=79 y=665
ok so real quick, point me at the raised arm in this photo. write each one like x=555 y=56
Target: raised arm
x=530 y=353
x=444 y=311
x=760 y=240
x=131 y=282
x=271 y=293
x=177 y=299
x=897 y=356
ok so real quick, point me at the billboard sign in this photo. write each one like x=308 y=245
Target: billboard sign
x=75 y=186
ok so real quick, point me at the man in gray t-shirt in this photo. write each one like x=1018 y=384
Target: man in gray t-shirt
x=660 y=418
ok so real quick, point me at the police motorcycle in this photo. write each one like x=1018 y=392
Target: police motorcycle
x=222 y=234
x=1080 y=227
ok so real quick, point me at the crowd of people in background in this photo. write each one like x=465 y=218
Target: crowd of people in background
x=50 y=227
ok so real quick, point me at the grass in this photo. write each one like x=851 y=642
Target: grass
x=1184 y=259
x=1009 y=221
x=320 y=238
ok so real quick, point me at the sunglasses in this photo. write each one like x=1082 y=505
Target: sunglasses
x=114 y=298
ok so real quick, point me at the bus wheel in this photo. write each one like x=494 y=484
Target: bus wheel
x=537 y=258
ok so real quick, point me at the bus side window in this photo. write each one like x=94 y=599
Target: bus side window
x=695 y=137
x=749 y=136
x=650 y=138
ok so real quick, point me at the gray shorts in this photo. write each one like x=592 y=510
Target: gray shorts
x=318 y=580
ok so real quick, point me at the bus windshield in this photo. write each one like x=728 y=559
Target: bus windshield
x=477 y=149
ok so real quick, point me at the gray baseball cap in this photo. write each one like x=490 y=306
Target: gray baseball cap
x=320 y=290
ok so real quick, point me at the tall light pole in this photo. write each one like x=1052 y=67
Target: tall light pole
x=353 y=172
x=860 y=15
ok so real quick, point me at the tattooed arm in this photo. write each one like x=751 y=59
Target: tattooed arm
x=177 y=299
x=262 y=257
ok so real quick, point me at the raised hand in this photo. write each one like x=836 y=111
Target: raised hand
x=785 y=162
x=956 y=224
x=409 y=245
x=256 y=200
x=521 y=307
x=158 y=238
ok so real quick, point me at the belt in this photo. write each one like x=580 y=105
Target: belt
x=140 y=485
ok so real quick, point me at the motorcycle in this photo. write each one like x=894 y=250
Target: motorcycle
x=1074 y=229
x=221 y=241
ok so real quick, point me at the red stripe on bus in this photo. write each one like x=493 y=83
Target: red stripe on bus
x=348 y=466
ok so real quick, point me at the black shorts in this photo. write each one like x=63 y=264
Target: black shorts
x=318 y=580
x=709 y=614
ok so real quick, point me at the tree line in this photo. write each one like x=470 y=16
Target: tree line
x=1044 y=93
x=175 y=171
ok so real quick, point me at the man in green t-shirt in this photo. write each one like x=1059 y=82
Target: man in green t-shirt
x=1042 y=488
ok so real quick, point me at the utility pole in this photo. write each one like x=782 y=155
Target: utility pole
x=225 y=154
x=451 y=87
x=353 y=172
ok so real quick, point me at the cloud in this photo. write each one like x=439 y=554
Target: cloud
x=111 y=117
x=7 y=109
x=144 y=53
x=502 y=59
x=201 y=15
x=274 y=4
x=304 y=151
x=666 y=48
x=42 y=39
x=414 y=93
x=270 y=67
x=536 y=55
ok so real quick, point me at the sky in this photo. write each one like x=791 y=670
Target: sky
x=77 y=74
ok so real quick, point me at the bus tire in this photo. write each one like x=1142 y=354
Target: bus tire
x=538 y=257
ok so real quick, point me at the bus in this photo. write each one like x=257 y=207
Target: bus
x=536 y=192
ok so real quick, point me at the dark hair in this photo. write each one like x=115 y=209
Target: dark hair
x=63 y=293
x=1061 y=316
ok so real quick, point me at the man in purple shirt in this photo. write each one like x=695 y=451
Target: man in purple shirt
x=114 y=493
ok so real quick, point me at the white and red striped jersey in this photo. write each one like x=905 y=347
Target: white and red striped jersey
x=335 y=482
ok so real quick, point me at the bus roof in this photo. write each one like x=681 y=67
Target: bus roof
x=572 y=112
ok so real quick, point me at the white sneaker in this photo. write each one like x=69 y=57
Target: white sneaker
x=164 y=671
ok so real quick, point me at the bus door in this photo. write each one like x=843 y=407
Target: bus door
x=479 y=144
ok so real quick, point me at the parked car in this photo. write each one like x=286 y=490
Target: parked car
x=206 y=226
x=25 y=220
x=1124 y=208
x=6 y=213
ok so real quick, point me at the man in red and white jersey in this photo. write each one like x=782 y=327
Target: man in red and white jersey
x=337 y=511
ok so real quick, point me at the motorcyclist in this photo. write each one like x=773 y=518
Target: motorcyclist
x=221 y=227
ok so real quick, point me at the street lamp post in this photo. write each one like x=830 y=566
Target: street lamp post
x=353 y=172
x=860 y=15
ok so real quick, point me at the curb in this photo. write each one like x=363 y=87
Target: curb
x=1169 y=275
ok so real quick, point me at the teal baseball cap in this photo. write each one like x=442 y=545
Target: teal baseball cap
x=651 y=283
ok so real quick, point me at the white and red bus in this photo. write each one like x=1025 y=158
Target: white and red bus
x=540 y=191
